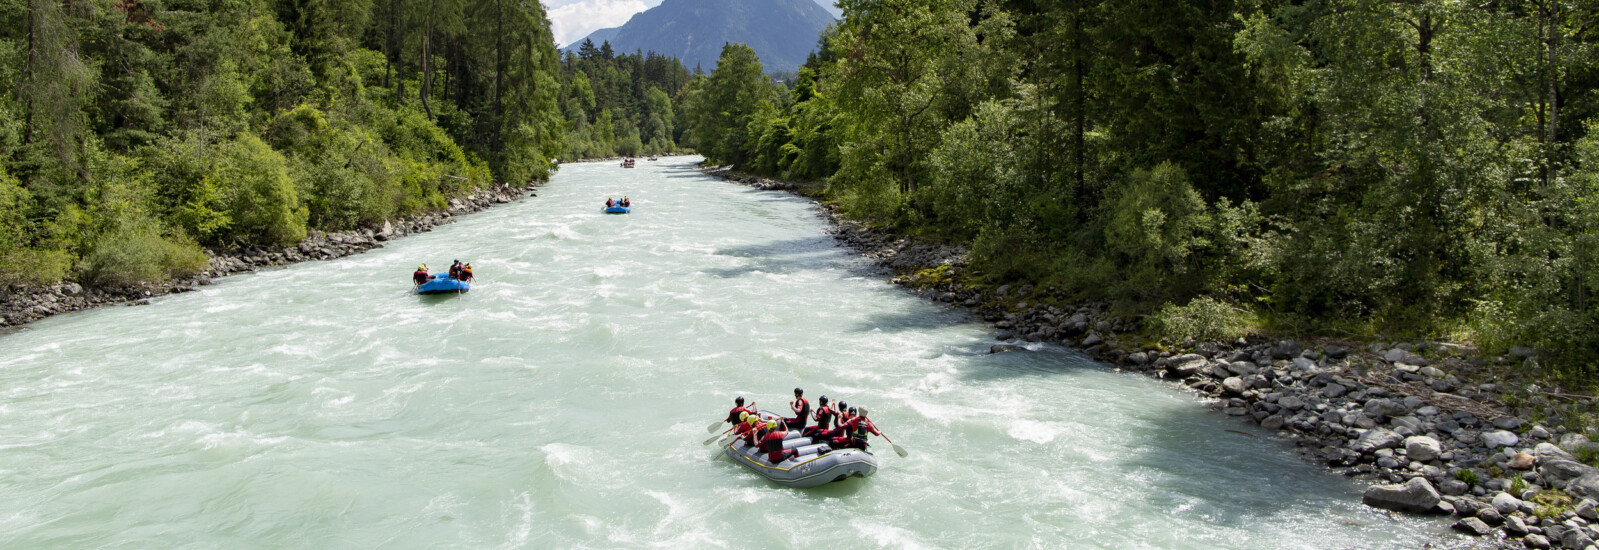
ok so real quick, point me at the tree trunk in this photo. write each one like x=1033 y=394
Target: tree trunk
x=27 y=77
x=427 y=67
x=499 y=75
x=398 y=55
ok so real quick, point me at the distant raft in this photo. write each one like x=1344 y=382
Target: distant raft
x=618 y=209
x=443 y=283
x=808 y=469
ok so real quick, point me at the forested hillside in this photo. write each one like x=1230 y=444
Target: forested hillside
x=1351 y=167
x=619 y=104
x=135 y=132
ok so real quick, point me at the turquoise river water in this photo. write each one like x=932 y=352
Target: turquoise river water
x=563 y=401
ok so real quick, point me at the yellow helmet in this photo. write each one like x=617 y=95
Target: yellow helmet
x=743 y=417
x=771 y=424
x=469 y=266
x=423 y=267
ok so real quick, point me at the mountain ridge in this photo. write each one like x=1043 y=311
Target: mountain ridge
x=782 y=32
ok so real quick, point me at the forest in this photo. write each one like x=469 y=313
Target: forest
x=139 y=136
x=1360 y=168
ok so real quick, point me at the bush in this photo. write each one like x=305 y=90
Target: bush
x=138 y=253
x=254 y=190
x=1204 y=318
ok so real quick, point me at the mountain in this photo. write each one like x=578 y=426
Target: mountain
x=782 y=32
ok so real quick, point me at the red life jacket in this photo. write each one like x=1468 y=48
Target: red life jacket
x=824 y=417
x=732 y=416
x=773 y=441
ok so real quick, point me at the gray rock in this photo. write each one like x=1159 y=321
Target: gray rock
x=1505 y=503
x=1377 y=439
x=1500 y=438
x=1431 y=372
x=1273 y=422
x=1508 y=422
x=1473 y=526
x=1332 y=391
x=1002 y=348
x=1092 y=339
x=1138 y=358
x=1336 y=352
x=1586 y=486
x=1184 y=366
x=1422 y=448
x=1453 y=487
x=1242 y=368
x=1536 y=541
x=1559 y=472
x=1572 y=442
x=1393 y=355
x=1407 y=422
x=1586 y=510
x=1515 y=526
x=1286 y=349
x=1415 y=495
x=1291 y=403
x=1234 y=385
x=1548 y=451
x=1383 y=408
x=1575 y=539
x=1304 y=364
x=1490 y=516
x=1538 y=432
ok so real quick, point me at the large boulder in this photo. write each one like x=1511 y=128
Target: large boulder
x=1422 y=448
x=1184 y=366
x=1377 y=439
x=1415 y=495
x=1506 y=504
x=1233 y=385
x=1473 y=526
x=1558 y=472
x=1499 y=438
x=1586 y=486
x=1383 y=408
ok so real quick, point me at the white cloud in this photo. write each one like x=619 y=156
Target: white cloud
x=572 y=21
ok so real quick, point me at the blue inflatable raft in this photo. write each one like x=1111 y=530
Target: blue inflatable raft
x=443 y=283
x=617 y=210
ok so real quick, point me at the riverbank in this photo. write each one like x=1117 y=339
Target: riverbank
x=1427 y=423
x=21 y=304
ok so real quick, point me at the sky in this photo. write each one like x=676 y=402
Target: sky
x=571 y=20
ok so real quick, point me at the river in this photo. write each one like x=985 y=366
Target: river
x=563 y=402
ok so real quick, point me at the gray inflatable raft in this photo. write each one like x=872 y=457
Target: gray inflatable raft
x=809 y=469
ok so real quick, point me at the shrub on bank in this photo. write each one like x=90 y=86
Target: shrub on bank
x=138 y=253
x=1204 y=318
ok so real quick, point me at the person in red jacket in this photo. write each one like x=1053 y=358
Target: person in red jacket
x=824 y=418
x=802 y=411
x=855 y=431
x=752 y=430
x=421 y=275
x=772 y=444
x=738 y=407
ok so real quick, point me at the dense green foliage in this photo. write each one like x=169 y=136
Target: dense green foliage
x=619 y=104
x=1417 y=167
x=134 y=132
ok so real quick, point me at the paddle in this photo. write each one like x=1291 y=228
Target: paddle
x=897 y=449
x=717 y=436
x=712 y=428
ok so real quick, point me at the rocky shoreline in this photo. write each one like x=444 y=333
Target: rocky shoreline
x=20 y=304
x=1421 y=420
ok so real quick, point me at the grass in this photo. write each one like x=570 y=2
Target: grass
x=1550 y=503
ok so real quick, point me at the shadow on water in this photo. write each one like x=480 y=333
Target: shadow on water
x=434 y=299
x=805 y=245
x=910 y=321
